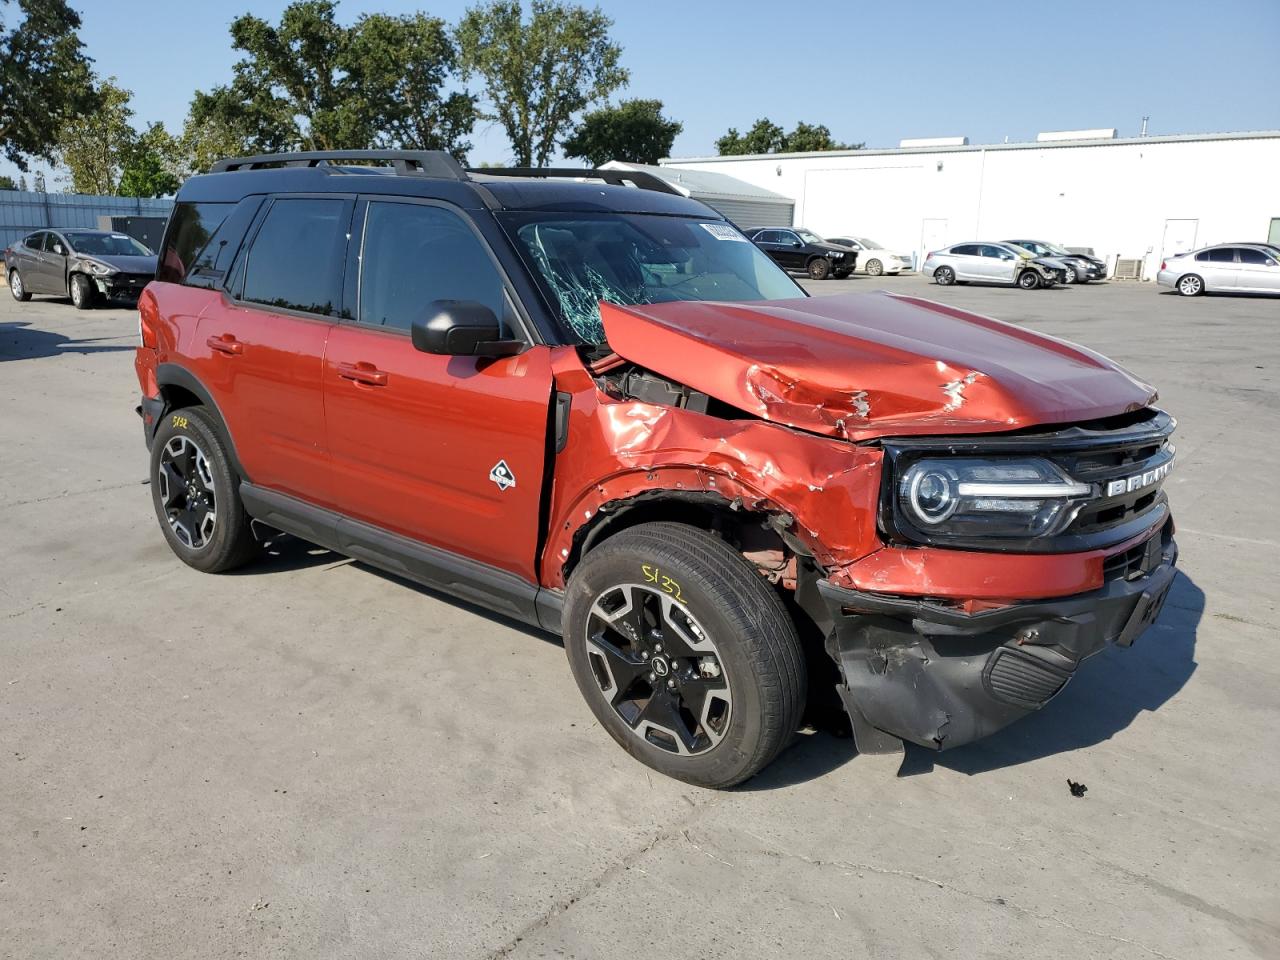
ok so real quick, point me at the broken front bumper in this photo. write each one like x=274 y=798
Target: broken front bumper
x=919 y=671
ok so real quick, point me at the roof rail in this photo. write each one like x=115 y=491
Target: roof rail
x=643 y=180
x=423 y=163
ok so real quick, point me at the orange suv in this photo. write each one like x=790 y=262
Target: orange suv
x=584 y=401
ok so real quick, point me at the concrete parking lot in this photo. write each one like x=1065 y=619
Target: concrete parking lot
x=312 y=759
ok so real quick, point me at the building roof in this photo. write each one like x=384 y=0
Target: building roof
x=1021 y=145
x=703 y=184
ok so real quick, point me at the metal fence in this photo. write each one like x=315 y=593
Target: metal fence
x=22 y=211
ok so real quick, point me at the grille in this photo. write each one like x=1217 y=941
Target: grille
x=1021 y=678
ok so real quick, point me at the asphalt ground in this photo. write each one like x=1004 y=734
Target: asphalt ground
x=313 y=759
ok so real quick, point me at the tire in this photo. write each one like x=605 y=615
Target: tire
x=819 y=268
x=191 y=481
x=1190 y=285
x=17 y=288
x=1072 y=276
x=82 y=292
x=874 y=268
x=1028 y=280
x=944 y=276
x=736 y=674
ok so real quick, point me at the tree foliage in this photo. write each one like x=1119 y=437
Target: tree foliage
x=765 y=136
x=635 y=131
x=539 y=73
x=8 y=183
x=312 y=84
x=44 y=77
x=152 y=163
x=92 y=146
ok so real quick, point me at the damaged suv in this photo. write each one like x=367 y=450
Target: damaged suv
x=590 y=404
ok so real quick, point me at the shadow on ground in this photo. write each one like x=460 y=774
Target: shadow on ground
x=19 y=340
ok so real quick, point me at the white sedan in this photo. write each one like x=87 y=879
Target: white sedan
x=1227 y=267
x=874 y=259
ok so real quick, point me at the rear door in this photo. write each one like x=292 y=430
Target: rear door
x=1219 y=268
x=448 y=451
x=261 y=343
x=965 y=258
x=26 y=258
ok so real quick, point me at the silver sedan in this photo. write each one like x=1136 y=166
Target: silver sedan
x=1225 y=268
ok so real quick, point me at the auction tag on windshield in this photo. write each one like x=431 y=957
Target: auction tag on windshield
x=722 y=231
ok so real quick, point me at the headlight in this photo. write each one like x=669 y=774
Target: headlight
x=964 y=497
x=100 y=269
x=836 y=256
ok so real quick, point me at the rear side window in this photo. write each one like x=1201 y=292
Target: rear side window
x=1248 y=255
x=33 y=241
x=416 y=253
x=1227 y=255
x=967 y=250
x=296 y=259
x=189 y=231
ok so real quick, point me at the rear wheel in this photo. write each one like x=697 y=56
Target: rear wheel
x=684 y=653
x=17 y=288
x=1191 y=285
x=196 y=493
x=1028 y=280
x=82 y=292
x=944 y=276
x=874 y=268
x=819 y=268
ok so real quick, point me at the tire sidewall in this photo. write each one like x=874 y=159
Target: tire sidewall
x=1028 y=280
x=613 y=564
x=227 y=541
x=81 y=283
x=944 y=276
x=819 y=268
x=1199 y=289
x=879 y=268
x=19 y=292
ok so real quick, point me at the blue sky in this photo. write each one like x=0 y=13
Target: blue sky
x=871 y=71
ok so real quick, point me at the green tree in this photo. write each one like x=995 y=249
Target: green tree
x=539 y=73
x=151 y=164
x=44 y=77
x=635 y=131
x=765 y=136
x=312 y=84
x=93 y=145
x=8 y=183
x=203 y=142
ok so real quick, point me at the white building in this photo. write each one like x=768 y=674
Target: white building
x=745 y=204
x=1139 y=197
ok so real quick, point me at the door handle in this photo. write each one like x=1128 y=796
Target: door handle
x=362 y=372
x=227 y=344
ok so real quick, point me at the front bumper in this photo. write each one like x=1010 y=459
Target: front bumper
x=121 y=286
x=936 y=676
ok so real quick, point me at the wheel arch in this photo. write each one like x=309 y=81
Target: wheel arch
x=179 y=388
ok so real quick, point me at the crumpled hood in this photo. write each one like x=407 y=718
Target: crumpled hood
x=125 y=263
x=870 y=365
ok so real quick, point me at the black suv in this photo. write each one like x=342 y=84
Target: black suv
x=800 y=249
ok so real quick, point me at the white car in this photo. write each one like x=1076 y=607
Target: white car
x=1229 y=267
x=874 y=259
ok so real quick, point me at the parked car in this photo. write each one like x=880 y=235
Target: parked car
x=602 y=411
x=1079 y=267
x=1230 y=268
x=873 y=259
x=992 y=263
x=800 y=249
x=81 y=264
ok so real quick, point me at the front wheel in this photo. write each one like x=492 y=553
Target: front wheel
x=17 y=288
x=196 y=493
x=684 y=653
x=819 y=268
x=1071 y=276
x=1028 y=280
x=81 y=292
x=1191 y=286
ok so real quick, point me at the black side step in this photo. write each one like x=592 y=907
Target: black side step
x=470 y=580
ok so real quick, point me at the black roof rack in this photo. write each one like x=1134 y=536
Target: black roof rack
x=618 y=178
x=423 y=163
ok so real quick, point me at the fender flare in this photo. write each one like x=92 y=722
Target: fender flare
x=171 y=374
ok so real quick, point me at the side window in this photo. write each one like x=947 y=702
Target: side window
x=55 y=244
x=786 y=236
x=415 y=253
x=1248 y=255
x=966 y=250
x=296 y=259
x=213 y=262
x=1223 y=255
x=1202 y=256
x=33 y=241
x=190 y=228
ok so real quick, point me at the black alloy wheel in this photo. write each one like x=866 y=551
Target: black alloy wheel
x=184 y=482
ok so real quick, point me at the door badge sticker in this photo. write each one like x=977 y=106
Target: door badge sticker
x=501 y=475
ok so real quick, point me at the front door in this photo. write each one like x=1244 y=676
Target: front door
x=449 y=451
x=1256 y=271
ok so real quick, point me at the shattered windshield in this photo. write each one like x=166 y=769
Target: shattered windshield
x=581 y=259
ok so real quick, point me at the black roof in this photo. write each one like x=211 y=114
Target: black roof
x=437 y=176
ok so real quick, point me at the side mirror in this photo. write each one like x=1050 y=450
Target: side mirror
x=461 y=328
x=57 y=248
x=796 y=243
